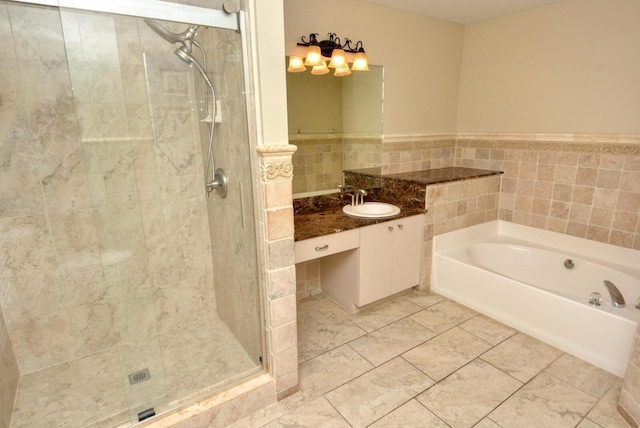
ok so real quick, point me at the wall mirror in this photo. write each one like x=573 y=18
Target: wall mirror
x=336 y=123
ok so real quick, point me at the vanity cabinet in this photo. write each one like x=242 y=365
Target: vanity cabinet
x=390 y=255
x=360 y=266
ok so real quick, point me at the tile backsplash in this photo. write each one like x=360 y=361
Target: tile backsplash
x=587 y=186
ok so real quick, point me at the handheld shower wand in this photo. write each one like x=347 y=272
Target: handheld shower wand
x=218 y=179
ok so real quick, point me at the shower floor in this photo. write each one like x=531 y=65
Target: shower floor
x=94 y=391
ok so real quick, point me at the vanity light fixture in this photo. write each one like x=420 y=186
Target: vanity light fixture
x=331 y=48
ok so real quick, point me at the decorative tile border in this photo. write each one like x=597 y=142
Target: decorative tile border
x=590 y=147
x=556 y=137
x=276 y=161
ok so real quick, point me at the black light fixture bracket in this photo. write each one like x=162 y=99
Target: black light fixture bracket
x=334 y=42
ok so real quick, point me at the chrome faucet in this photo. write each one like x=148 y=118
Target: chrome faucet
x=358 y=196
x=616 y=296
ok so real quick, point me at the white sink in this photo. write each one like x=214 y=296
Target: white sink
x=371 y=210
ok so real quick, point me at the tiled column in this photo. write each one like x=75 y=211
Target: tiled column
x=276 y=171
x=629 y=403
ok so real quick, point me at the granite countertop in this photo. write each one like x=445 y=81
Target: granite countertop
x=322 y=215
x=429 y=176
x=334 y=220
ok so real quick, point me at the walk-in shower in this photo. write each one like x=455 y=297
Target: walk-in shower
x=126 y=290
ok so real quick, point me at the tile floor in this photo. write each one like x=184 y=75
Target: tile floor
x=421 y=360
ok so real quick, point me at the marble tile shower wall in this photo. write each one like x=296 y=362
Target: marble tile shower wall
x=587 y=187
x=9 y=375
x=102 y=212
x=235 y=261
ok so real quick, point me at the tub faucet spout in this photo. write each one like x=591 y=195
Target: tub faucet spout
x=616 y=296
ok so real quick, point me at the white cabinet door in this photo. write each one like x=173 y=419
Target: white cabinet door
x=374 y=280
x=390 y=258
x=407 y=253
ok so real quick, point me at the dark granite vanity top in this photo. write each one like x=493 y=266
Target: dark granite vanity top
x=428 y=176
x=322 y=215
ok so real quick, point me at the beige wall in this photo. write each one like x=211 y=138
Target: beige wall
x=269 y=79
x=421 y=56
x=568 y=67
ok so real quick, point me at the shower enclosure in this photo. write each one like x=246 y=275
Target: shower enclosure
x=128 y=262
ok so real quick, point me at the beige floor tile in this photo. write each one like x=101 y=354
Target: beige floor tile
x=486 y=423
x=322 y=326
x=378 y=392
x=446 y=353
x=605 y=413
x=378 y=316
x=327 y=372
x=317 y=414
x=388 y=342
x=424 y=299
x=469 y=394
x=586 y=423
x=584 y=376
x=522 y=356
x=443 y=316
x=488 y=329
x=544 y=402
x=411 y=414
x=262 y=416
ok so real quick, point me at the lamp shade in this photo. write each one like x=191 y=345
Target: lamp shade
x=342 y=71
x=360 y=62
x=296 y=65
x=338 y=58
x=320 y=69
x=314 y=57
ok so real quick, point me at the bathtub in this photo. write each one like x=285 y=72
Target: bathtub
x=520 y=276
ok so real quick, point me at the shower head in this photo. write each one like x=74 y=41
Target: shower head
x=186 y=37
x=185 y=55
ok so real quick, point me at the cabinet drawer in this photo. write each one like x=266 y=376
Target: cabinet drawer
x=321 y=246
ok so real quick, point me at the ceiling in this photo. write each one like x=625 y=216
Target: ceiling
x=463 y=11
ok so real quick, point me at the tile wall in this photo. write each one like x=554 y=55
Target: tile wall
x=361 y=152
x=406 y=154
x=582 y=185
x=456 y=205
x=317 y=164
x=276 y=172
x=9 y=375
x=319 y=161
x=586 y=186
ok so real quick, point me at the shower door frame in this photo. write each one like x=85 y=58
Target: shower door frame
x=154 y=9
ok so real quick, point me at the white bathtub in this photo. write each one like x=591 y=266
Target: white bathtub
x=516 y=274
